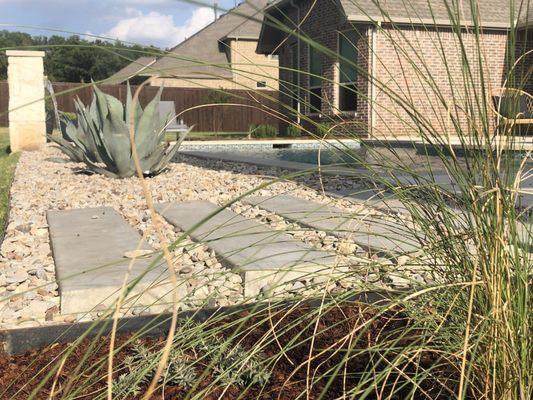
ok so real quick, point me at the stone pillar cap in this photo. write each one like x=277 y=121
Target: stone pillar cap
x=24 y=53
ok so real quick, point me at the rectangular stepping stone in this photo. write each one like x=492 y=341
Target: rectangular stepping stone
x=384 y=202
x=263 y=256
x=88 y=246
x=369 y=232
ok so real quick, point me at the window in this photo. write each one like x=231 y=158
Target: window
x=261 y=84
x=347 y=70
x=315 y=80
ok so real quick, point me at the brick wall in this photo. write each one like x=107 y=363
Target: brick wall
x=427 y=72
x=423 y=67
x=322 y=25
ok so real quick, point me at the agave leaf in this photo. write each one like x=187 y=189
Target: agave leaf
x=116 y=138
x=149 y=126
x=128 y=109
x=149 y=163
x=81 y=112
x=99 y=170
x=93 y=129
x=87 y=133
x=101 y=104
x=119 y=148
x=170 y=153
x=73 y=152
x=77 y=133
x=92 y=114
x=71 y=131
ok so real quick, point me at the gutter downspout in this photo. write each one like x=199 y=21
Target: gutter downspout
x=292 y=3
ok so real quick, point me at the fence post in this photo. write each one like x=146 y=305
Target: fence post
x=27 y=129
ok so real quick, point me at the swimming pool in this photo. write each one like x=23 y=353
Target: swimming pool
x=307 y=156
x=349 y=154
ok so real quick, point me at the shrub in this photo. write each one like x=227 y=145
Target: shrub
x=323 y=130
x=231 y=363
x=293 y=131
x=263 y=131
x=69 y=116
x=101 y=139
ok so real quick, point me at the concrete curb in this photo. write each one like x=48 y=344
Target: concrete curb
x=20 y=341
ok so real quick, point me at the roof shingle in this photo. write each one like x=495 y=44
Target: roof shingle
x=203 y=55
x=492 y=13
x=130 y=70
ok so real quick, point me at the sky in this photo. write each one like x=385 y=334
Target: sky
x=162 y=23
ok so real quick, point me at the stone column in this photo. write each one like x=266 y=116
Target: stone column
x=25 y=74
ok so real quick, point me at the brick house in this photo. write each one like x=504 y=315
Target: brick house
x=221 y=55
x=385 y=43
x=525 y=32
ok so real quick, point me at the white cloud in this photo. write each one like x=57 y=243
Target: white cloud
x=148 y=2
x=159 y=29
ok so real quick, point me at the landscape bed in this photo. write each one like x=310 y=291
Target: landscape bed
x=7 y=166
x=41 y=184
x=339 y=362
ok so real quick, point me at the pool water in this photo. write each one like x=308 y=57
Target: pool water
x=307 y=156
x=381 y=158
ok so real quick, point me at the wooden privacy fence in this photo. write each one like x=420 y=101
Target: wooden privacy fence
x=254 y=107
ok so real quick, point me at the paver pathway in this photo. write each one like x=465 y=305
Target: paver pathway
x=389 y=203
x=259 y=253
x=385 y=202
x=369 y=232
x=88 y=246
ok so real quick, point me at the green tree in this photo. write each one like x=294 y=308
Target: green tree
x=73 y=59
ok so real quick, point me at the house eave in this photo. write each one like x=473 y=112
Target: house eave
x=239 y=37
x=422 y=21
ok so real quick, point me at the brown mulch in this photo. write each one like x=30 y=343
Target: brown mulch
x=336 y=331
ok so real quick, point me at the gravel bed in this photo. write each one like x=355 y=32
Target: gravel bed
x=28 y=289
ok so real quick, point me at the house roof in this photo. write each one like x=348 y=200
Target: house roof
x=492 y=14
x=203 y=54
x=130 y=70
x=249 y=28
x=526 y=14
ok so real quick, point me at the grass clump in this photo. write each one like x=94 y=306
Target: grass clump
x=263 y=131
x=8 y=163
x=293 y=131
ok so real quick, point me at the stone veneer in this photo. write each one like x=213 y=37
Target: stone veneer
x=27 y=128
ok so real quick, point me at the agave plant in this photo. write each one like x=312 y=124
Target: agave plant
x=100 y=136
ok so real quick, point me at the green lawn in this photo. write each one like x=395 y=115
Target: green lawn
x=209 y=135
x=7 y=169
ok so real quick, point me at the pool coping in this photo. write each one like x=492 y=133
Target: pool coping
x=267 y=142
